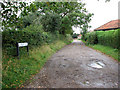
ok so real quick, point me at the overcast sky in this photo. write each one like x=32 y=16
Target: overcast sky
x=103 y=12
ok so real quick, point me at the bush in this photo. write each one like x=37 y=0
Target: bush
x=109 y=38
x=34 y=38
x=91 y=38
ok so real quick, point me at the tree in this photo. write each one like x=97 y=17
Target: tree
x=76 y=12
x=30 y=19
x=51 y=22
x=65 y=26
x=9 y=12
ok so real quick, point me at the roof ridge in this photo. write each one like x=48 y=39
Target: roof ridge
x=108 y=25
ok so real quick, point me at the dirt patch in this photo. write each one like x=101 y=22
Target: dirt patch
x=77 y=66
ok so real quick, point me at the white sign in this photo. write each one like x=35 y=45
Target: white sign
x=22 y=44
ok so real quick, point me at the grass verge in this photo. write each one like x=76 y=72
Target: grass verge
x=106 y=50
x=16 y=72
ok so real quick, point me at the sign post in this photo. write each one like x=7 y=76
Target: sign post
x=22 y=45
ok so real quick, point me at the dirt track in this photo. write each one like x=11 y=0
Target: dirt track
x=77 y=66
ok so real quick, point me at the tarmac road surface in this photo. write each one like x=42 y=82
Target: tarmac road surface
x=77 y=66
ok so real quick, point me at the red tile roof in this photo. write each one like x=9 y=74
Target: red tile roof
x=114 y=24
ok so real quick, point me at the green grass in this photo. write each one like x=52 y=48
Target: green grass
x=84 y=41
x=106 y=50
x=112 y=52
x=17 y=71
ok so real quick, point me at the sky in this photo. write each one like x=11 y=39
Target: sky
x=103 y=12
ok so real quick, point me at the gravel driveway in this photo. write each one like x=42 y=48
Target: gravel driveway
x=77 y=66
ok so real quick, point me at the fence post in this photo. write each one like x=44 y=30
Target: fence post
x=27 y=50
x=17 y=50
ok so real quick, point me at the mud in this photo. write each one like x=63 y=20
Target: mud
x=77 y=66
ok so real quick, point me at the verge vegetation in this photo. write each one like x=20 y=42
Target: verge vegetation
x=17 y=71
x=104 y=41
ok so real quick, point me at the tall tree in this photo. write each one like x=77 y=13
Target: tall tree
x=76 y=12
x=9 y=13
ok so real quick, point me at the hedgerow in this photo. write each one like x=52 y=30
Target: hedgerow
x=109 y=38
x=33 y=37
x=91 y=38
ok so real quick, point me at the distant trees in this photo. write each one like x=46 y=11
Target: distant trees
x=75 y=35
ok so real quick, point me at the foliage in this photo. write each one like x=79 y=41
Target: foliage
x=68 y=37
x=9 y=11
x=75 y=35
x=51 y=22
x=33 y=37
x=91 y=38
x=76 y=12
x=107 y=50
x=32 y=18
x=84 y=30
x=16 y=72
x=66 y=26
x=108 y=38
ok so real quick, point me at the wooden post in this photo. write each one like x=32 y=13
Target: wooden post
x=27 y=50
x=17 y=50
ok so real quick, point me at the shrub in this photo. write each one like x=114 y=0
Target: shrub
x=93 y=38
x=69 y=37
x=34 y=38
x=108 y=38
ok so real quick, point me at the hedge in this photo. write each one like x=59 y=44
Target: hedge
x=109 y=38
x=34 y=38
x=91 y=38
